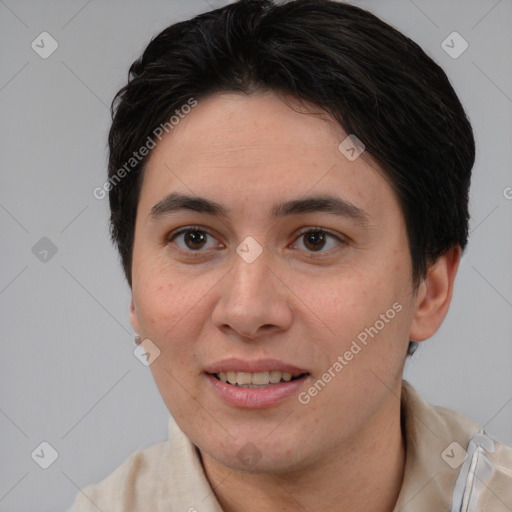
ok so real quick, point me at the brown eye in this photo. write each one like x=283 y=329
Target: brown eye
x=194 y=239
x=316 y=239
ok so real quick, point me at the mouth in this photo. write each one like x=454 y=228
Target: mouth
x=255 y=384
x=257 y=380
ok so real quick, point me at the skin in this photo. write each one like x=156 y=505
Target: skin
x=300 y=302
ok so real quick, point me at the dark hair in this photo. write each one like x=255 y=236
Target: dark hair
x=374 y=81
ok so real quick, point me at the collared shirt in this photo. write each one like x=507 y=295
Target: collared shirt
x=451 y=465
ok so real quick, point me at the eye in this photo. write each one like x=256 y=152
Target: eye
x=194 y=238
x=315 y=239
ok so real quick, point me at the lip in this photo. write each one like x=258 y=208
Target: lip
x=253 y=398
x=233 y=364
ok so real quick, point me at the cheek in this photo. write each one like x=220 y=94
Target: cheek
x=160 y=296
x=369 y=306
x=353 y=299
x=159 y=303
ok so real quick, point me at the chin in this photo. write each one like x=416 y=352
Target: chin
x=264 y=463
x=261 y=455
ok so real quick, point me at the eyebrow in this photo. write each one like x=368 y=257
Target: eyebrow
x=175 y=202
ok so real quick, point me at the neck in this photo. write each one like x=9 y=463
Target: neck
x=365 y=473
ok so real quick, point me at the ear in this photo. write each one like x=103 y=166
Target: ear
x=134 y=320
x=434 y=295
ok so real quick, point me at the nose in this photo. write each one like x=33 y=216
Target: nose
x=254 y=299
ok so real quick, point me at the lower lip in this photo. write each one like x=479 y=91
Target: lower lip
x=253 y=398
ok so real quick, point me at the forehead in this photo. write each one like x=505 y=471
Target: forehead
x=233 y=126
x=259 y=148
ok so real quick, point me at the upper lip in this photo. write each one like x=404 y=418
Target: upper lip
x=259 y=365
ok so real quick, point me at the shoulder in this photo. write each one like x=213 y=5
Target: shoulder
x=500 y=454
x=131 y=486
x=484 y=480
x=474 y=467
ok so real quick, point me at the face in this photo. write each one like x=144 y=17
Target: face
x=315 y=289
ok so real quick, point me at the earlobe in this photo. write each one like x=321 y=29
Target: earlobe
x=133 y=316
x=434 y=295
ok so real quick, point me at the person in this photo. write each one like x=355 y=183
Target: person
x=288 y=186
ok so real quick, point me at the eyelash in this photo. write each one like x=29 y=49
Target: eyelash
x=172 y=236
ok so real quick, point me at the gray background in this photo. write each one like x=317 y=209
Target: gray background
x=68 y=375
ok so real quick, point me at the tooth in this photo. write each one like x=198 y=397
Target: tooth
x=260 y=378
x=275 y=377
x=244 y=378
x=257 y=379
